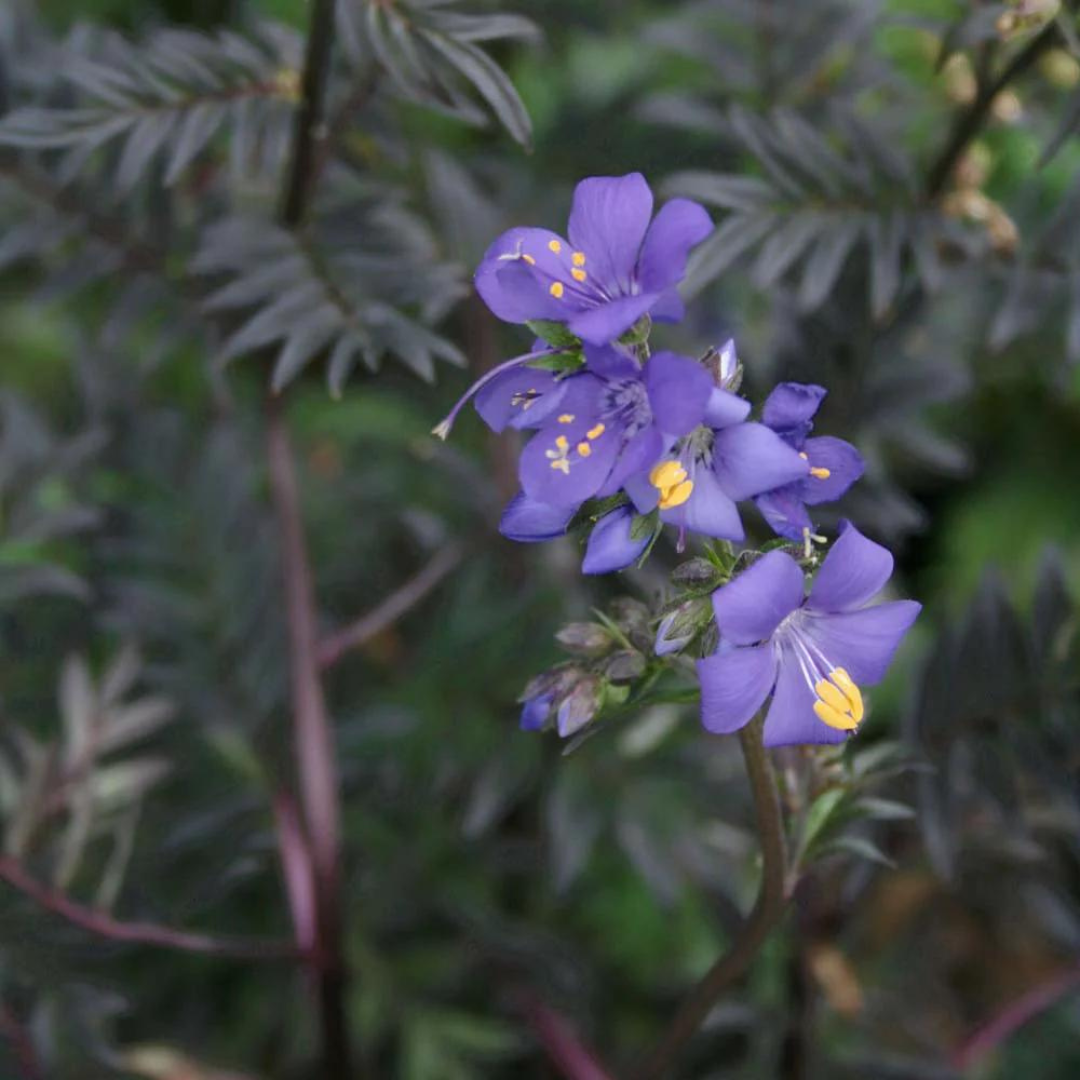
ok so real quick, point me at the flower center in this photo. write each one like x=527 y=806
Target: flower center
x=626 y=402
x=839 y=701
x=670 y=479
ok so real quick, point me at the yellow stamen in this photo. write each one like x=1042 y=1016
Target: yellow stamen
x=834 y=718
x=819 y=472
x=562 y=465
x=677 y=495
x=667 y=474
x=839 y=701
x=529 y=259
x=578 y=258
x=578 y=275
x=669 y=478
x=566 y=418
x=556 y=289
x=584 y=449
x=554 y=245
x=595 y=432
x=561 y=442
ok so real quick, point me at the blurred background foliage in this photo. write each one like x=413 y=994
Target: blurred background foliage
x=143 y=726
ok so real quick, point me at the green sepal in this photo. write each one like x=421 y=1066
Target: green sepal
x=561 y=363
x=554 y=333
x=645 y=525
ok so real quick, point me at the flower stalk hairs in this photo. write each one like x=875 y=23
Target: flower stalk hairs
x=625 y=442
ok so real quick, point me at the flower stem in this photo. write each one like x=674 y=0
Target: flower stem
x=767 y=912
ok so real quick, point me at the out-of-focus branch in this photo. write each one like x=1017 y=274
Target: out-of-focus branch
x=399 y=603
x=312 y=732
x=998 y=1029
x=22 y=1046
x=566 y=1052
x=140 y=933
x=768 y=910
x=970 y=121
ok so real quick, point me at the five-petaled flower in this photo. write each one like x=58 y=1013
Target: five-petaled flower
x=834 y=465
x=614 y=268
x=812 y=653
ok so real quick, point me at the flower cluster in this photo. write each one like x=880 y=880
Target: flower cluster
x=627 y=441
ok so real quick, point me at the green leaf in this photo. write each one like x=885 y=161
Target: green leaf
x=861 y=848
x=883 y=809
x=820 y=815
x=645 y=525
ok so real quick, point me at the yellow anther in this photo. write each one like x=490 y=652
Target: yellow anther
x=556 y=289
x=667 y=474
x=578 y=258
x=803 y=455
x=578 y=275
x=819 y=472
x=839 y=701
x=595 y=432
x=562 y=443
x=554 y=245
x=834 y=718
x=584 y=449
x=562 y=465
x=529 y=259
x=851 y=691
x=676 y=495
x=566 y=418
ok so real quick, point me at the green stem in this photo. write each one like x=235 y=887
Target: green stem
x=767 y=912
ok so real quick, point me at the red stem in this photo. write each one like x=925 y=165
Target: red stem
x=566 y=1052
x=140 y=933
x=14 y=1031
x=998 y=1029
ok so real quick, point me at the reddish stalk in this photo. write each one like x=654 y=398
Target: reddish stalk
x=566 y=1052
x=14 y=1032
x=140 y=933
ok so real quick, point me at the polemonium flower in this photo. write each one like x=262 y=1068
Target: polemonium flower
x=700 y=479
x=834 y=465
x=614 y=267
x=612 y=545
x=813 y=653
x=612 y=421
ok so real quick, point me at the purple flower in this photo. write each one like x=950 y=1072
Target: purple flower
x=716 y=465
x=811 y=653
x=612 y=421
x=834 y=464
x=614 y=268
x=535 y=711
x=530 y=522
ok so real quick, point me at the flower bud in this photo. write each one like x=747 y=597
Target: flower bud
x=580 y=705
x=585 y=639
x=696 y=571
x=724 y=366
x=624 y=666
x=632 y=617
x=1026 y=16
x=679 y=627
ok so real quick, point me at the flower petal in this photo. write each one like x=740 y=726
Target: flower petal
x=669 y=308
x=853 y=573
x=638 y=456
x=611 y=362
x=752 y=606
x=679 y=389
x=749 y=459
x=845 y=465
x=734 y=683
x=791 y=720
x=783 y=509
x=517 y=293
x=724 y=409
x=536 y=711
x=863 y=642
x=608 y=221
x=567 y=463
x=708 y=511
x=679 y=226
x=521 y=398
x=530 y=522
x=606 y=322
x=790 y=408
x=610 y=546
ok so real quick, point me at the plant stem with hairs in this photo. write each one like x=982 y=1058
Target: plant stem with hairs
x=316 y=756
x=767 y=912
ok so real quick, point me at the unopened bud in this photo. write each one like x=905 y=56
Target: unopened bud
x=696 y=571
x=1026 y=16
x=679 y=627
x=624 y=666
x=632 y=618
x=585 y=639
x=1060 y=69
x=724 y=366
x=580 y=705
